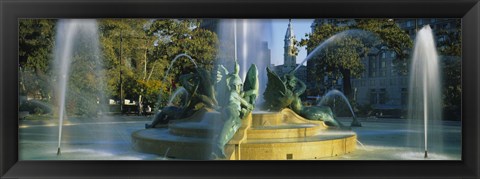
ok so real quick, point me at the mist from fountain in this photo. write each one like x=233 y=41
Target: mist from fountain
x=164 y=80
x=250 y=41
x=182 y=92
x=335 y=92
x=364 y=35
x=425 y=99
x=73 y=36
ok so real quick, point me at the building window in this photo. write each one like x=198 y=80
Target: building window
x=409 y=23
x=404 y=97
x=382 y=96
x=446 y=26
x=372 y=68
x=442 y=38
x=383 y=54
x=404 y=81
x=372 y=62
x=373 y=96
x=392 y=54
x=412 y=31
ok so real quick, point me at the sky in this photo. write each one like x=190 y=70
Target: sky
x=279 y=28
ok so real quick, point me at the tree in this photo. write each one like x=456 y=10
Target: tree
x=126 y=46
x=342 y=57
x=175 y=37
x=390 y=38
x=339 y=58
x=36 y=41
x=146 y=51
x=85 y=87
x=450 y=51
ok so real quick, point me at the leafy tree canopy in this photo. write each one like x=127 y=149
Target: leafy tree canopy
x=342 y=57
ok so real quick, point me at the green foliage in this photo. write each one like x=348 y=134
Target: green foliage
x=35 y=107
x=451 y=45
x=36 y=41
x=38 y=117
x=85 y=87
x=452 y=88
x=184 y=36
x=124 y=46
x=142 y=50
x=390 y=34
x=392 y=37
x=450 y=50
x=342 y=57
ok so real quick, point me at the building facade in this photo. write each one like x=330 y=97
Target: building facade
x=382 y=85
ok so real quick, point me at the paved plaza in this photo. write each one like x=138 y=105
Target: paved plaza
x=109 y=138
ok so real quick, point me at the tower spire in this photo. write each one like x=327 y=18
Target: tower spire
x=289 y=32
x=289 y=57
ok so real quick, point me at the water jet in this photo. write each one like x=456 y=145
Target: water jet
x=425 y=98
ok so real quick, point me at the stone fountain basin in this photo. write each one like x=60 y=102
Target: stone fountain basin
x=263 y=136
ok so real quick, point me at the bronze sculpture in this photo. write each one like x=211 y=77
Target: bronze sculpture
x=286 y=94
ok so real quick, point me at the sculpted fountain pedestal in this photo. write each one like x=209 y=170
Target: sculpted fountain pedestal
x=226 y=128
x=285 y=135
x=279 y=135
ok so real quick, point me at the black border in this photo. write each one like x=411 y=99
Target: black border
x=11 y=10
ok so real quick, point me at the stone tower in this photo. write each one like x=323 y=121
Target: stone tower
x=289 y=56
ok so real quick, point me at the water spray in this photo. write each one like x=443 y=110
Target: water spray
x=235 y=39
x=355 y=122
x=363 y=146
x=170 y=67
x=424 y=80
x=425 y=107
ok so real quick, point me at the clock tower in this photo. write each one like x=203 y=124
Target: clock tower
x=289 y=54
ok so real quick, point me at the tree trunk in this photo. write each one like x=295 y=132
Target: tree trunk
x=140 y=105
x=347 y=86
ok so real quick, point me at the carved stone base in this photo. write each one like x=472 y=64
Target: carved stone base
x=281 y=135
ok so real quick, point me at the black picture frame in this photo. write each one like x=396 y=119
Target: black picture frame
x=11 y=10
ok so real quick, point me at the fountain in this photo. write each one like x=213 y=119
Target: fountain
x=425 y=100
x=247 y=33
x=180 y=91
x=214 y=132
x=331 y=93
x=72 y=37
x=159 y=102
x=210 y=116
x=220 y=122
x=365 y=36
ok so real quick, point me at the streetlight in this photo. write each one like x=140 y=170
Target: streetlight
x=122 y=100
